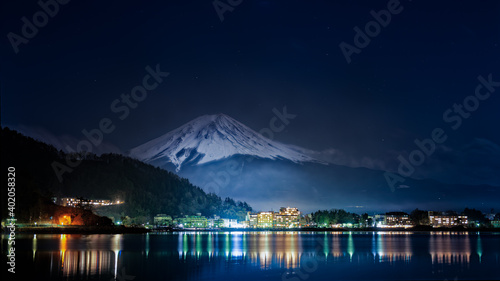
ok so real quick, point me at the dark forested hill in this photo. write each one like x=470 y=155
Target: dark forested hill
x=146 y=190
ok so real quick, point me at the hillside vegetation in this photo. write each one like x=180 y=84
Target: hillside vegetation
x=146 y=190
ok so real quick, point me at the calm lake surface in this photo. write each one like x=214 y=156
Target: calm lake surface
x=260 y=256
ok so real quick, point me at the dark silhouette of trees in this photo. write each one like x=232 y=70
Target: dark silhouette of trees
x=334 y=216
x=419 y=217
x=476 y=216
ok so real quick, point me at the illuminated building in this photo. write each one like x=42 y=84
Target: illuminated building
x=231 y=223
x=218 y=223
x=162 y=219
x=265 y=219
x=77 y=202
x=215 y=222
x=287 y=218
x=495 y=223
x=439 y=220
x=193 y=222
x=397 y=219
x=378 y=220
x=252 y=219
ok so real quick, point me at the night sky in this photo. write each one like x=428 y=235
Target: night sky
x=265 y=55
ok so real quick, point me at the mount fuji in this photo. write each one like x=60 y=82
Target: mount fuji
x=223 y=156
x=214 y=137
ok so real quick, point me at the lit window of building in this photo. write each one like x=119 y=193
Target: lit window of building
x=287 y=218
x=397 y=219
x=440 y=220
x=162 y=220
x=80 y=202
x=252 y=219
x=265 y=219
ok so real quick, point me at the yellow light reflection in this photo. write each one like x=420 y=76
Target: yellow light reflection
x=116 y=247
x=62 y=247
x=86 y=262
x=392 y=246
x=447 y=249
x=34 y=246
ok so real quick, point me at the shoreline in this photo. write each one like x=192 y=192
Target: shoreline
x=141 y=230
x=77 y=230
x=374 y=229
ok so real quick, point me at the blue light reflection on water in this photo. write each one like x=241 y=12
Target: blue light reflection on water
x=284 y=255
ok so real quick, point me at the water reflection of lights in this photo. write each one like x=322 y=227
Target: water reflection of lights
x=392 y=246
x=350 y=246
x=449 y=247
x=147 y=245
x=227 y=247
x=267 y=250
x=235 y=247
x=210 y=245
x=479 y=247
x=34 y=246
x=117 y=240
x=73 y=262
x=62 y=247
x=236 y=244
x=287 y=249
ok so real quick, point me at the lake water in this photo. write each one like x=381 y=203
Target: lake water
x=260 y=256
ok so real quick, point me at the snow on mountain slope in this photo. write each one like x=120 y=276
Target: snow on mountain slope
x=214 y=137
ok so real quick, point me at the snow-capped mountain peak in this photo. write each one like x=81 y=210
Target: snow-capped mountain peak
x=210 y=138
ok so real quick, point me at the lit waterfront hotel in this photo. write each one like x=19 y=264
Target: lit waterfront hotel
x=286 y=218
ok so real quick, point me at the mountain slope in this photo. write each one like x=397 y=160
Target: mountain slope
x=145 y=189
x=213 y=137
x=271 y=184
